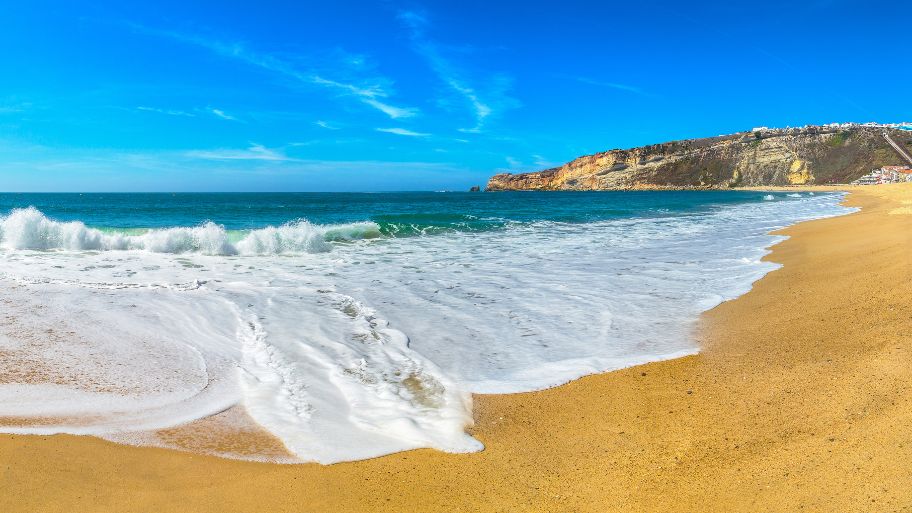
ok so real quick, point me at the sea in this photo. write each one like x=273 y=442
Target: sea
x=354 y=325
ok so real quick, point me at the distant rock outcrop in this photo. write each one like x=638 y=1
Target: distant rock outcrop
x=796 y=156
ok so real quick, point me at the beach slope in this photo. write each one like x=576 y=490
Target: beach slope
x=800 y=399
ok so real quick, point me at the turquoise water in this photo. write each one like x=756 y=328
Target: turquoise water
x=395 y=213
x=354 y=325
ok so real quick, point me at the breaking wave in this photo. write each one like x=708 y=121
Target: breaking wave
x=29 y=229
x=368 y=349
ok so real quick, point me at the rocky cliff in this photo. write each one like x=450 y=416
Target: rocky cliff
x=811 y=155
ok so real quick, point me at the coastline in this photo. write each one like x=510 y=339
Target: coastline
x=653 y=188
x=798 y=399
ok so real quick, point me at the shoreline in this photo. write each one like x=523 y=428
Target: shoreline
x=766 y=417
x=701 y=188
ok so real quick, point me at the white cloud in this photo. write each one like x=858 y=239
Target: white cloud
x=365 y=93
x=169 y=112
x=325 y=124
x=219 y=113
x=402 y=131
x=254 y=152
x=453 y=77
x=30 y=167
x=370 y=91
x=538 y=162
x=542 y=162
x=613 y=85
x=391 y=111
x=222 y=114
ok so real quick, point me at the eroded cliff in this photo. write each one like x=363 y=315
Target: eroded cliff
x=813 y=155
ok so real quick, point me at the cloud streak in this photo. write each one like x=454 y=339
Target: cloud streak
x=392 y=111
x=373 y=95
x=35 y=168
x=219 y=113
x=613 y=85
x=446 y=71
x=254 y=152
x=325 y=124
x=167 y=112
x=402 y=131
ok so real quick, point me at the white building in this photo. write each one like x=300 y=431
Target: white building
x=887 y=174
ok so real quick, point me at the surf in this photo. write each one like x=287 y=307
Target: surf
x=344 y=340
x=29 y=229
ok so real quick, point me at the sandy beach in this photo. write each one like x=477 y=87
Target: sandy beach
x=799 y=401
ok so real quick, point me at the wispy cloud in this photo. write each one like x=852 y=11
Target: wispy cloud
x=542 y=162
x=219 y=113
x=373 y=93
x=329 y=141
x=538 y=162
x=391 y=110
x=168 y=112
x=326 y=124
x=455 y=78
x=402 y=131
x=34 y=168
x=612 y=85
x=254 y=152
x=14 y=105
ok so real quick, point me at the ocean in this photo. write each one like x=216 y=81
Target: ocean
x=354 y=325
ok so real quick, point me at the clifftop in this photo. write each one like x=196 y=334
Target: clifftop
x=796 y=156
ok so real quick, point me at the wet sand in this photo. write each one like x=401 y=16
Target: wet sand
x=801 y=399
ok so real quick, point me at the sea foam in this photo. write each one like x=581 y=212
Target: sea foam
x=351 y=350
x=28 y=228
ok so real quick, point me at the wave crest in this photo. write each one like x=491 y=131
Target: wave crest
x=29 y=229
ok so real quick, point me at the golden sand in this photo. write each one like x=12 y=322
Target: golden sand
x=800 y=400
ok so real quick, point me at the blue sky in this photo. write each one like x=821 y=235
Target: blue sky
x=364 y=96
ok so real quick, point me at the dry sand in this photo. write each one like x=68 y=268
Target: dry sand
x=800 y=400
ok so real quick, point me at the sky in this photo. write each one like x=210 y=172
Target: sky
x=177 y=96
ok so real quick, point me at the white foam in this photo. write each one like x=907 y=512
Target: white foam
x=28 y=228
x=351 y=350
x=769 y=197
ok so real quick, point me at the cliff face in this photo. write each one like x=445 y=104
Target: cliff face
x=814 y=155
